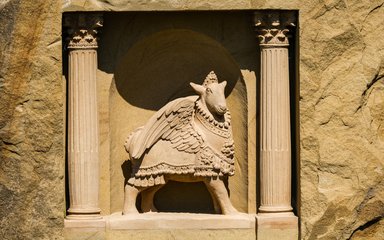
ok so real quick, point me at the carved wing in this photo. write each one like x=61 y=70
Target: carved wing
x=173 y=122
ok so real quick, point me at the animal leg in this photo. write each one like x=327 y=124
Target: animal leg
x=220 y=192
x=147 y=204
x=130 y=195
x=216 y=205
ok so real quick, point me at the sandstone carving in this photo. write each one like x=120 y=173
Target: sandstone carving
x=188 y=140
x=275 y=135
x=83 y=132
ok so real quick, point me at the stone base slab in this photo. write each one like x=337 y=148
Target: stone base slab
x=180 y=221
x=183 y=234
x=163 y=226
x=84 y=223
x=277 y=226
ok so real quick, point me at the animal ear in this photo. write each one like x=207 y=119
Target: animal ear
x=224 y=83
x=199 y=89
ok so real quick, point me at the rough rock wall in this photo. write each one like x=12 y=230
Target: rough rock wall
x=31 y=121
x=342 y=120
x=341 y=114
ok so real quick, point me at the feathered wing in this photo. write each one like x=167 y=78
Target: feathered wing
x=173 y=122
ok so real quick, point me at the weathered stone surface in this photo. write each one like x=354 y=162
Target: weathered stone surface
x=370 y=231
x=341 y=113
x=341 y=117
x=31 y=121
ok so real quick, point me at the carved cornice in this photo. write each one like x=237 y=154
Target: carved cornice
x=273 y=27
x=82 y=30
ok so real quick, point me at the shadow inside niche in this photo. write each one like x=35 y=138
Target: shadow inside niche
x=159 y=68
x=191 y=197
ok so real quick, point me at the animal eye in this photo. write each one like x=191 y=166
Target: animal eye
x=209 y=90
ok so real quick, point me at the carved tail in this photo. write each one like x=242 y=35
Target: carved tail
x=130 y=141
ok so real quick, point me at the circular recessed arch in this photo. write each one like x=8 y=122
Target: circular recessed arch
x=159 y=67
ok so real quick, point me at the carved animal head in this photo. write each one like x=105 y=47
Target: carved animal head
x=212 y=94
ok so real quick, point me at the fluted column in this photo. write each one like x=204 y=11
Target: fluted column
x=82 y=134
x=275 y=142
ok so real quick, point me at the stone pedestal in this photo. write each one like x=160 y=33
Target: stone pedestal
x=159 y=226
x=83 y=143
x=277 y=226
x=275 y=211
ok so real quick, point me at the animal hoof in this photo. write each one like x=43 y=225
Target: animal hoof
x=130 y=211
x=231 y=212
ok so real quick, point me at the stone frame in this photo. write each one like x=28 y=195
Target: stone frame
x=87 y=42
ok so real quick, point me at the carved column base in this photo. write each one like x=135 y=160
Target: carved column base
x=74 y=216
x=277 y=226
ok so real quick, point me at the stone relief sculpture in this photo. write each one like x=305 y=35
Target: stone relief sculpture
x=188 y=140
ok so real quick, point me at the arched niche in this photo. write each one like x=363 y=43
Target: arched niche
x=156 y=70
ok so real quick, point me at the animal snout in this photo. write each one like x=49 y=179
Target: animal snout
x=223 y=108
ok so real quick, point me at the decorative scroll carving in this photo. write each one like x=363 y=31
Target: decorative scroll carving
x=82 y=30
x=189 y=139
x=273 y=28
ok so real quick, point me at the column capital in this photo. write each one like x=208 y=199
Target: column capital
x=273 y=27
x=82 y=30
